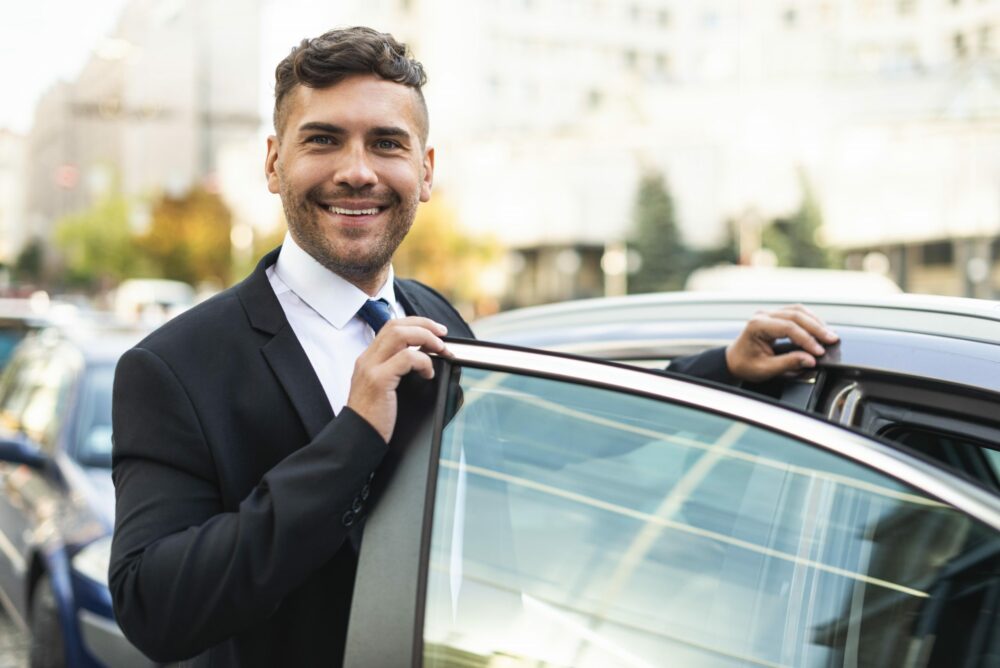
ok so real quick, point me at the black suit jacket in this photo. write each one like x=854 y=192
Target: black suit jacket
x=236 y=486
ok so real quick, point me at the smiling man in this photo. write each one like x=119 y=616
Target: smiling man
x=247 y=431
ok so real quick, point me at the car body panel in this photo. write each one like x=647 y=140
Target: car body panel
x=388 y=614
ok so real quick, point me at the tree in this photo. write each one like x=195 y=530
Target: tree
x=188 y=239
x=794 y=240
x=657 y=238
x=97 y=244
x=29 y=262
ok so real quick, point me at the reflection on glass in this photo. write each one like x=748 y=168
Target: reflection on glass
x=576 y=526
x=93 y=446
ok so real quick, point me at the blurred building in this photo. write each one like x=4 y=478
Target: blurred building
x=12 y=177
x=151 y=111
x=546 y=112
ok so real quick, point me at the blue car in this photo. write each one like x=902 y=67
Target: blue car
x=57 y=501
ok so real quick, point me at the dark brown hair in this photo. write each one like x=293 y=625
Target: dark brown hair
x=335 y=55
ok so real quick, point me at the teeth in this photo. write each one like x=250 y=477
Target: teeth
x=353 y=212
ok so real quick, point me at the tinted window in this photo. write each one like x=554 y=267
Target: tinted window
x=575 y=526
x=93 y=437
x=35 y=392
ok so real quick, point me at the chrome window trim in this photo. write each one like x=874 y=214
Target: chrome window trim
x=955 y=492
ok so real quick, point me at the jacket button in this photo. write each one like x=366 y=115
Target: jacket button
x=365 y=491
x=357 y=505
x=348 y=518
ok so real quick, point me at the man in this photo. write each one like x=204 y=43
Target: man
x=248 y=430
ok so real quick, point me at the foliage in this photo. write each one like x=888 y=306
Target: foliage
x=794 y=240
x=188 y=239
x=437 y=252
x=28 y=265
x=97 y=243
x=657 y=239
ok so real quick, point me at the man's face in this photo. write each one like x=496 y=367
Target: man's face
x=351 y=168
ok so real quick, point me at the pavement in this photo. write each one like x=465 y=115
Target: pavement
x=14 y=643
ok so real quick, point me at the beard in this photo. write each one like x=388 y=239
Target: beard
x=309 y=230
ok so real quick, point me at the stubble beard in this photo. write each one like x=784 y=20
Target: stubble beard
x=307 y=228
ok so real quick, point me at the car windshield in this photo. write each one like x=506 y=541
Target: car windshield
x=93 y=434
x=8 y=341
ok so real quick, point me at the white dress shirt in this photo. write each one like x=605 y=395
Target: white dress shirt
x=322 y=309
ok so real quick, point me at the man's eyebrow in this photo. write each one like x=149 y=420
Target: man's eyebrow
x=317 y=126
x=389 y=131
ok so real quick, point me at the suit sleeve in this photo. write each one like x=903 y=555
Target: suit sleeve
x=709 y=364
x=185 y=575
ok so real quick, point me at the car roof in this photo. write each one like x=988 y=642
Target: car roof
x=97 y=345
x=952 y=317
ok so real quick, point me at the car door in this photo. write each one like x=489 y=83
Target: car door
x=550 y=511
x=33 y=396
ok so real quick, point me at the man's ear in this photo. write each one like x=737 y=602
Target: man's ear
x=425 y=187
x=270 y=165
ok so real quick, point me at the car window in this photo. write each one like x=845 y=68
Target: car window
x=580 y=526
x=93 y=432
x=35 y=394
x=978 y=459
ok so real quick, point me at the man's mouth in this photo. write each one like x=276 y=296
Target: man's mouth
x=371 y=211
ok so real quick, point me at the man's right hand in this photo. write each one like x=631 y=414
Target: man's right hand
x=401 y=346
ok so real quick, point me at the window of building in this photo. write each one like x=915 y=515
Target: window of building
x=906 y=7
x=663 y=18
x=938 y=253
x=790 y=17
x=631 y=58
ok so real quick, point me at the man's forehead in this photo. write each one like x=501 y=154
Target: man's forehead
x=363 y=98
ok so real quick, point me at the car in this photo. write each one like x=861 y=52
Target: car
x=921 y=370
x=19 y=317
x=546 y=509
x=57 y=501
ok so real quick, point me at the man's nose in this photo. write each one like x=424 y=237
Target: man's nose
x=355 y=169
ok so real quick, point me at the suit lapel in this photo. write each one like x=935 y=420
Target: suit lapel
x=282 y=350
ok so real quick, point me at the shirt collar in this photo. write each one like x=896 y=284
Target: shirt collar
x=335 y=299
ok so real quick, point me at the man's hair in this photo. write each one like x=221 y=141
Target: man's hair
x=335 y=55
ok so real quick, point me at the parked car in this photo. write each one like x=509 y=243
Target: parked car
x=920 y=370
x=57 y=500
x=543 y=509
x=18 y=318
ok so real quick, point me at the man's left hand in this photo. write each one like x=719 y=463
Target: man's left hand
x=751 y=358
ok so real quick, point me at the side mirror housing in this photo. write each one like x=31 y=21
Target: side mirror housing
x=21 y=450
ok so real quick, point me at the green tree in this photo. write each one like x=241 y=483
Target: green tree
x=188 y=238
x=97 y=244
x=657 y=238
x=29 y=262
x=794 y=240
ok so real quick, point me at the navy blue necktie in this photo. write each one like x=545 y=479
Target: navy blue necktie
x=376 y=313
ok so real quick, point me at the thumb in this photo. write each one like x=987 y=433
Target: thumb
x=762 y=368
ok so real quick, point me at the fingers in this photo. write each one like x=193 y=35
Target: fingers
x=411 y=332
x=807 y=320
x=751 y=357
x=401 y=346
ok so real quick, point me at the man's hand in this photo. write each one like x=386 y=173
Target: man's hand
x=751 y=358
x=401 y=346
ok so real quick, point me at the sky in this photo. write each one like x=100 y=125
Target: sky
x=71 y=29
x=42 y=41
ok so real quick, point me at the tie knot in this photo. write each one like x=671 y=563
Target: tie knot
x=376 y=313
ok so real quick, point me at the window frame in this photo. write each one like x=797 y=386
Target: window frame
x=387 y=612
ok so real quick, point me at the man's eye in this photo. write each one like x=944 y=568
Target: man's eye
x=320 y=139
x=386 y=144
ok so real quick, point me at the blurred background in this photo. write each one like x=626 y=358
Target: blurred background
x=584 y=147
